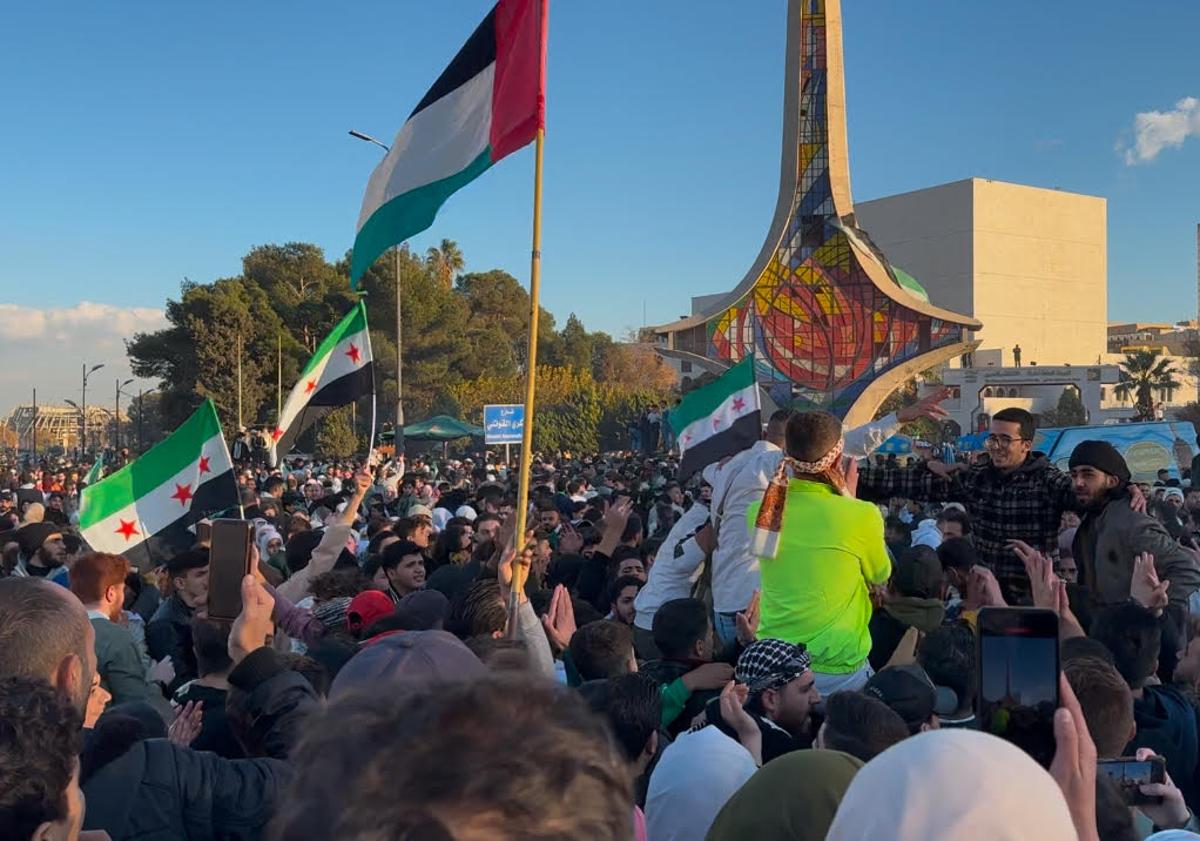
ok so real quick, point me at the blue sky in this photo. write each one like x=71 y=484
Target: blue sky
x=146 y=142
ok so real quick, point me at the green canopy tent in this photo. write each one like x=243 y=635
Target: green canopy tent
x=441 y=428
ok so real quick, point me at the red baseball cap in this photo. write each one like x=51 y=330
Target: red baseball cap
x=367 y=608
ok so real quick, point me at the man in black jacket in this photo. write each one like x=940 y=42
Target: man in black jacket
x=169 y=631
x=157 y=790
x=1111 y=535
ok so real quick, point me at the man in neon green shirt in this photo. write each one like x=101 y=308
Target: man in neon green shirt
x=819 y=549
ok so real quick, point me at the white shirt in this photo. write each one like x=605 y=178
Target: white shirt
x=696 y=775
x=740 y=483
x=672 y=575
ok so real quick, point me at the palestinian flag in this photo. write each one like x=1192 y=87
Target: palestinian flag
x=340 y=372
x=718 y=419
x=489 y=102
x=144 y=511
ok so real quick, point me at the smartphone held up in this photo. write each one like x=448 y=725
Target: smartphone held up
x=229 y=562
x=1018 y=677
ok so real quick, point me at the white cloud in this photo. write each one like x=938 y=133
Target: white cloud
x=45 y=348
x=1157 y=130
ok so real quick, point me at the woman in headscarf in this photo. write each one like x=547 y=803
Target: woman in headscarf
x=792 y=798
x=270 y=549
x=819 y=551
x=948 y=785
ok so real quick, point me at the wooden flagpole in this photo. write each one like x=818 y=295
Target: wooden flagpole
x=535 y=282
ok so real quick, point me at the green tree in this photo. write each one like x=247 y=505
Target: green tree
x=197 y=355
x=1143 y=374
x=446 y=260
x=1070 y=411
x=306 y=291
x=335 y=435
x=577 y=344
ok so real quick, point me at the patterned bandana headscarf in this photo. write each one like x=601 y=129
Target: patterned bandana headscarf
x=769 y=523
x=770 y=664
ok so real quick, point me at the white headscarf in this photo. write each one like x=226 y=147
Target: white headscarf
x=949 y=785
x=927 y=534
x=696 y=775
x=440 y=517
x=265 y=535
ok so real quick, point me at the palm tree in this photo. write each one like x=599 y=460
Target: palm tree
x=446 y=260
x=1142 y=374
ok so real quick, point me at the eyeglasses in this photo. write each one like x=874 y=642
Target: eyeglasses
x=1001 y=441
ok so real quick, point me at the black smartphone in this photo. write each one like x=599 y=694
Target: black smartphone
x=228 y=563
x=1130 y=773
x=1018 y=677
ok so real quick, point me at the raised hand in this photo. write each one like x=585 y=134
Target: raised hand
x=927 y=407
x=186 y=725
x=1040 y=570
x=617 y=515
x=161 y=671
x=747 y=622
x=984 y=588
x=1144 y=586
x=559 y=621
x=570 y=541
x=943 y=470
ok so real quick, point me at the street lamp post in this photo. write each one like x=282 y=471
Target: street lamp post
x=398 y=440
x=87 y=372
x=117 y=413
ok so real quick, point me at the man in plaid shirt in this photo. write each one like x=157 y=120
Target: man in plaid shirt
x=1019 y=495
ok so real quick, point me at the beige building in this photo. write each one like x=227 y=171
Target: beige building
x=1029 y=263
x=1167 y=339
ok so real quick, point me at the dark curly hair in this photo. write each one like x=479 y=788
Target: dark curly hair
x=40 y=738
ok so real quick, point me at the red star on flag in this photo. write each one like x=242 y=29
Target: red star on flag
x=738 y=404
x=127 y=529
x=311 y=385
x=204 y=468
x=277 y=434
x=183 y=493
x=353 y=353
x=716 y=423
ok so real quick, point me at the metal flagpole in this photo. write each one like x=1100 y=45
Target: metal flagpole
x=535 y=280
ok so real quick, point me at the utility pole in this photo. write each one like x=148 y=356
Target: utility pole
x=117 y=417
x=141 y=417
x=398 y=439
x=278 y=379
x=83 y=412
x=239 y=382
x=83 y=403
x=33 y=423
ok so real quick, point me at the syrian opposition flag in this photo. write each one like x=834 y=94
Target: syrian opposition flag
x=489 y=102
x=718 y=419
x=144 y=510
x=341 y=371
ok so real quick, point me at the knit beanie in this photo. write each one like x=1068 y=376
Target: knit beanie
x=1101 y=455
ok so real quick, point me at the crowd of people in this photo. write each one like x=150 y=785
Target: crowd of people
x=782 y=646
